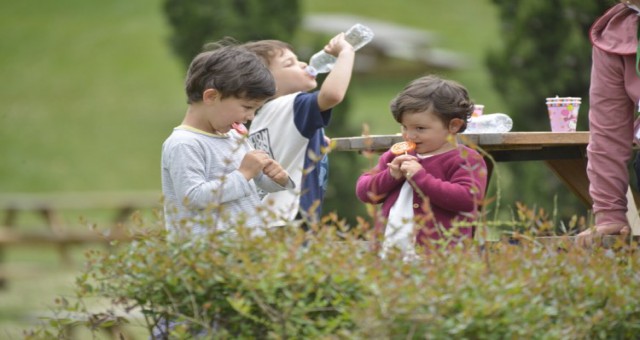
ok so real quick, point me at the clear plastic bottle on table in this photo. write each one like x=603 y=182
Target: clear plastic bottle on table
x=321 y=62
x=489 y=123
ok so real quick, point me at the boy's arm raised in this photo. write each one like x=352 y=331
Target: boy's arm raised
x=335 y=86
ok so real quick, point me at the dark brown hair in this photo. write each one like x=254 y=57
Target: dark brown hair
x=447 y=99
x=267 y=49
x=232 y=71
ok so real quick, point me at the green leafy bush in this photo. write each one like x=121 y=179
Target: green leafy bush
x=330 y=284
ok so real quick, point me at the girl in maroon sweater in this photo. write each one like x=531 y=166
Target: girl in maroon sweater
x=424 y=192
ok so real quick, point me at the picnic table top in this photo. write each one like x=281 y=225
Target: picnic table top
x=509 y=140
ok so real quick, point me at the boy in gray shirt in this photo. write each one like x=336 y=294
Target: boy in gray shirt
x=210 y=173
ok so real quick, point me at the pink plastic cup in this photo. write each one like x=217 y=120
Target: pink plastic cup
x=477 y=110
x=563 y=113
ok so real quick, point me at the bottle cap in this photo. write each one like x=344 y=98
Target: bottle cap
x=311 y=71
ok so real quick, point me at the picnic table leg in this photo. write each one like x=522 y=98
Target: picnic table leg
x=490 y=166
x=484 y=232
x=573 y=173
x=632 y=213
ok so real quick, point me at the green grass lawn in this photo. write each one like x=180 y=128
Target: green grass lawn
x=90 y=90
x=36 y=278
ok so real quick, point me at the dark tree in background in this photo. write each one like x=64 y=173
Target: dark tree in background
x=546 y=52
x=197 y=22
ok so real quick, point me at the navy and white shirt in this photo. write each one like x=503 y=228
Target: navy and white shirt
x=291 y=129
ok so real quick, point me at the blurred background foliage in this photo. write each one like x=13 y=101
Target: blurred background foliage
x=546 y=53
x=197 y=22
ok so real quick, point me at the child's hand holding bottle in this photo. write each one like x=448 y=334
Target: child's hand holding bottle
x=337 y=44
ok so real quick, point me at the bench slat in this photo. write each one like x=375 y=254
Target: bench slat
x=10 y=237
x=80 y=200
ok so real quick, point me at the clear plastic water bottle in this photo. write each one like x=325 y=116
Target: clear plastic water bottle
x=489 y=123
x=322 y=62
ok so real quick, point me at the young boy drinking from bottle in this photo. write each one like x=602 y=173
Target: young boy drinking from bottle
x=290 y=127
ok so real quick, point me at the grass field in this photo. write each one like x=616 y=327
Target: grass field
x=90 y=90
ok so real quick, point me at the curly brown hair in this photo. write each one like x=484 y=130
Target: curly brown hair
x=447 y=99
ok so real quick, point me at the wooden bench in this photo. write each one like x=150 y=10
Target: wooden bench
x=81 y=325
x=54 y=230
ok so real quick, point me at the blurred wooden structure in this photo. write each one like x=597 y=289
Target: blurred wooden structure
x=391 y=41
x=54 y=230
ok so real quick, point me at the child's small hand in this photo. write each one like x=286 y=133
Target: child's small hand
x=253 y=162
x=410 y=167
x=276 y=172
x=395 y=167
x=338 y=44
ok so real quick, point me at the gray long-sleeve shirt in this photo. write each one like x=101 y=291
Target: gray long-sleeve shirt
x=202 y=187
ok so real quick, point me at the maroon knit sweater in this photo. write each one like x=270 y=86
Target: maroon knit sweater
x=449 y=187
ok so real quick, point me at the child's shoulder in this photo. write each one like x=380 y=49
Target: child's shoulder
x=178 y=135
x=289 y=103
x=468 y=148
x=178 y=140
x=186 y=136
x=470 y=154
x=278 y=103
x=289 y=99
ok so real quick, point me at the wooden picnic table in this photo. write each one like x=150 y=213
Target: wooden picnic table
x=563 y=152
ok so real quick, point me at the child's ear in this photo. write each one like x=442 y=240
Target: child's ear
x=210 y=95
x=455 y=125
